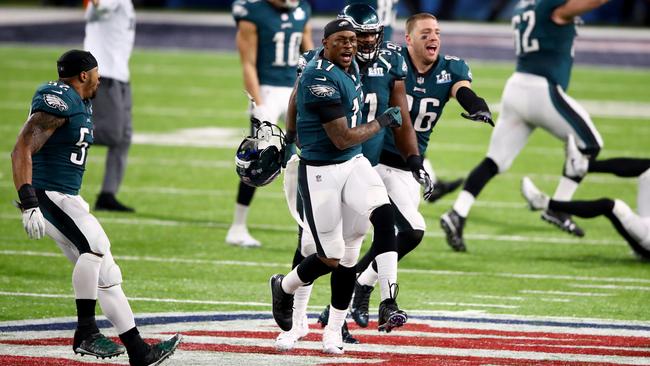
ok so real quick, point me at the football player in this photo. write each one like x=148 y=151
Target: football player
x=382 y=71
x=431 y=81
x=338 y=186
x=386 y=11
x=48 y=163
x=270 y=37
x=534 y=96
x=634 y=227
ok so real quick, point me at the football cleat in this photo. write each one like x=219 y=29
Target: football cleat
x=97 y=345
x=332 y=341
x=108 y=202
x=576 y=165
x=238 y=235
x=452 y=223
x=158 y=352
x=323 y=318
x=563 y=221
x=282 y=303
x=536 y=199
x=360 y=303
x=286 y=341
x=390 y=316
x=441 y=188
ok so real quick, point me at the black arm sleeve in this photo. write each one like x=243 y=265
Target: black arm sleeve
x=471 y=102
x=328 y=112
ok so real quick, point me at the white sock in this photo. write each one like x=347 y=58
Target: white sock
x=387 y=272
x=291 y=282
x=85 y=276
x=429 y=169
x=116 y=308
x=241 y=214
x=336 y=319
x=565 y=189
x=300 y=301
x=464 y=203
x=368 y=277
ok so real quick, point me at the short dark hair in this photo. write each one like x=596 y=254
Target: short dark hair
x=74 y=62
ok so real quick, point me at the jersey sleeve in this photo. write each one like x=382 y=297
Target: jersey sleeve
x=307 y=8
x=243 y=10
x=320 y=88
x=52 y=100
x=399 y=68
x=459 y=69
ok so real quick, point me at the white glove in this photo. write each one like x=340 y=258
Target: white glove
x=34 y=223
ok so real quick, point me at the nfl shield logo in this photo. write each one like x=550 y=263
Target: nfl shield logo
x=420 y=80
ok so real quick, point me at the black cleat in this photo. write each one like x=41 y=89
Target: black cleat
x=108 y=202
x=347 y=336
x=158 y=352
x=563 y=221
x=441 y=188
x=282 y=303
x=97 y=345
x=360 y=304
x=323 y=318
x=452 y=223
x=390 y=316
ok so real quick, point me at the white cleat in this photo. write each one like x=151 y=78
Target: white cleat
x=576 y=164
x=286 y=341
x=238 y=235
x=536 y=199
x=332 y=341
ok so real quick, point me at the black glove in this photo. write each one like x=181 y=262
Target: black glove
x=392 y=117
x=414 y=163
x=480 y=116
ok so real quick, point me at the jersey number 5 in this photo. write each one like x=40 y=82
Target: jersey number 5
x=523 y=42
x=80 y=157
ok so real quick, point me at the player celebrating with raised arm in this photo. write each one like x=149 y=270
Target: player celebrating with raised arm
x=48 y=163
x=338 y=186
x=431 y=81
x=270 y=37
x=382 y=71
x=534 y=96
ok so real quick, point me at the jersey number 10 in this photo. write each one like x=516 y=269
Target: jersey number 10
x=295 y=39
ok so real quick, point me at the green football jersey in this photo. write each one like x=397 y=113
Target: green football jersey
x=279 y=33
x=323 y=83
x=543 y=47
x=377 y=80
x=427 y=95
x=60 y=164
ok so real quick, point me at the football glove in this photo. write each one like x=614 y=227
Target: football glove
x=34 y=223
x=392 y=117
x=421 y=176
x=480 y=116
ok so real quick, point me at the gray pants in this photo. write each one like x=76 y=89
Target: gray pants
x=113 y=128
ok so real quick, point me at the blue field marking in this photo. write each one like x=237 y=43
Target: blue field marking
x=185 y=318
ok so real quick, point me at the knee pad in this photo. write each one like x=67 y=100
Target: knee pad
x=407 y=241
x=109 y=274
x=383 y=221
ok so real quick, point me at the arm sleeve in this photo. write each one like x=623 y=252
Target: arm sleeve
x=328 y=112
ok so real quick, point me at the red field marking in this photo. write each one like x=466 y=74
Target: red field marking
x=45 y=361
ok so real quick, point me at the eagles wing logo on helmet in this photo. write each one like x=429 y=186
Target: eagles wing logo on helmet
x=256 y=165
x=322 y=91
x=55 y=102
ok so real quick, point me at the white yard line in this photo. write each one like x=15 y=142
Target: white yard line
x=566 y=293
x=612 y=287
x=471 y=305
x=287 y=265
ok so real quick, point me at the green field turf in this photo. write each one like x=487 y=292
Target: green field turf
x=172 y=252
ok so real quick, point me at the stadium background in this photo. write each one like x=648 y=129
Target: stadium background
x=189 y=113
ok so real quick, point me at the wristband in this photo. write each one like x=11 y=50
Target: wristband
x=27 y=196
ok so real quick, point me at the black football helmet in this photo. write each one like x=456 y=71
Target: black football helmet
x=259 y=159
x=365 y=20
